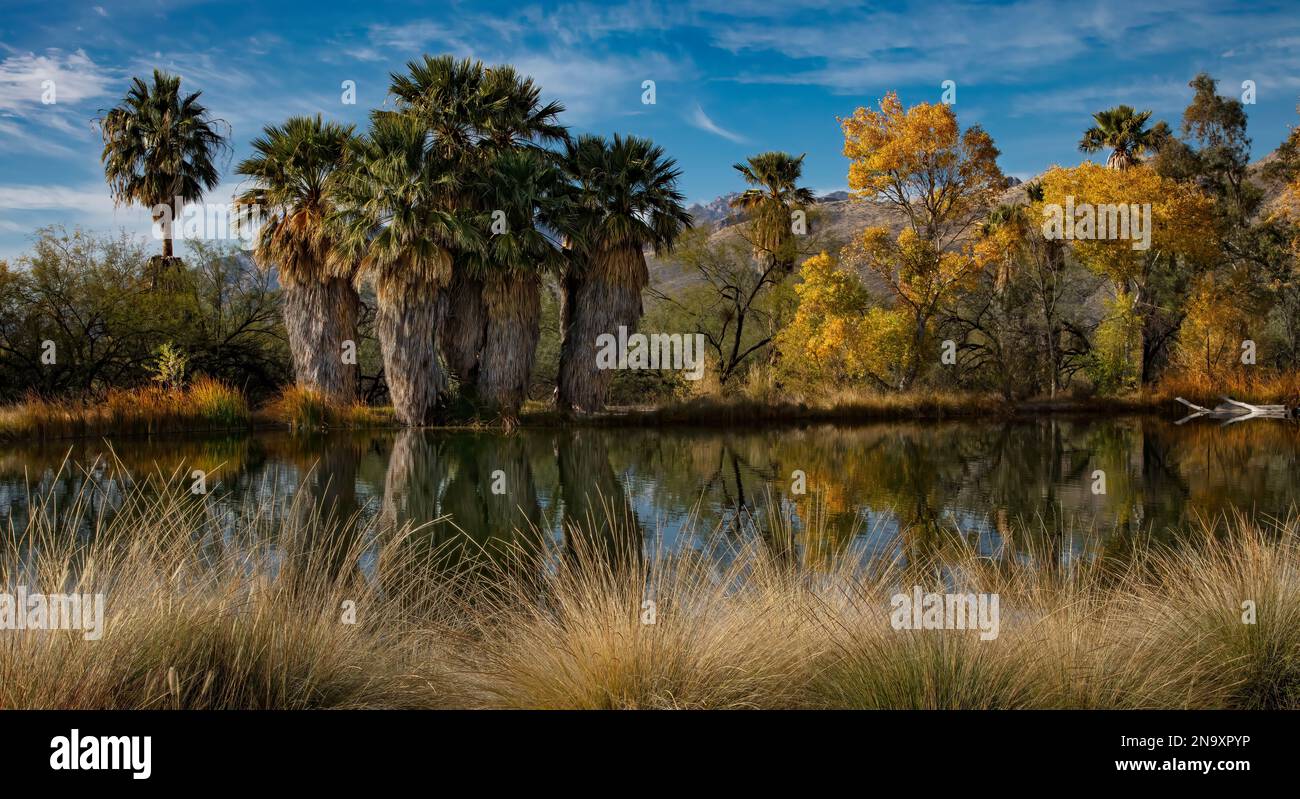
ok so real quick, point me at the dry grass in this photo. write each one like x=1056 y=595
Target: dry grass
x=195 y=619
x=200 y=617
x=303 y=409
x=857 y=405
x=1248 y=385
x=203 y=405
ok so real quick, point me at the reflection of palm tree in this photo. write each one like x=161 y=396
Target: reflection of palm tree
x=492 y=500
x=450 y=483
x=327 y=510
x=595 y=502
x=416 y=473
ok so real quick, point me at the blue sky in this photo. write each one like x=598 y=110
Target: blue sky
x=733 y=77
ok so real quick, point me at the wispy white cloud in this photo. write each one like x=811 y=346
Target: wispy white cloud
x=702 y=121
x=75 y=76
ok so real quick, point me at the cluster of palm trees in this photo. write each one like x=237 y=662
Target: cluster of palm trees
x=456 y=204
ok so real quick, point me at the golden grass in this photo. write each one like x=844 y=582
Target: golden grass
x=304 y=409
x=1255 y=386
x=850 y=405
x=201 y=619
x=203 y=405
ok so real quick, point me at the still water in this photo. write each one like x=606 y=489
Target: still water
x=1073 y=485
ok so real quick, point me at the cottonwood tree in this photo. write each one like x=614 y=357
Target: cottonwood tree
x=941 y=180
x=1183 y=239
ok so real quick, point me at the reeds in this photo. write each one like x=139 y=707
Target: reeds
x=304 y=409
x=206 y=611
x=202 y=406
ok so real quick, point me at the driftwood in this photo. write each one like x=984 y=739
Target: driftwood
x=1232 y=411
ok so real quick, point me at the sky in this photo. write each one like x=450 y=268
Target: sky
x=731 y=77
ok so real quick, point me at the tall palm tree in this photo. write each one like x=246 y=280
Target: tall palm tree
x=294 y=170
x=625 y=199
x=160 y=146
x=1124 y=131
x=773 y=195
x=475 y=113
x=529 y=188
x=396 y=219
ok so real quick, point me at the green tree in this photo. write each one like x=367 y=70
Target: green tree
x=1124 y=131
x=293 y=172
x=397 y=220
x=160 y=148
x=475 y=114
x=625 y=199
x=773 y=196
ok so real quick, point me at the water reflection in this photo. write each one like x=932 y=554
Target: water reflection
x=906 y=489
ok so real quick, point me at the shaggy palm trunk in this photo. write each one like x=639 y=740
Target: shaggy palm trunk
x=407 y=323
x=605 y=297
x=320 y=318
x=461 y=329
x=514 y=308
x=772 y=245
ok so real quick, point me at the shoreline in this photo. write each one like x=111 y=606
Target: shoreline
x=19 y=424
x=697 y=413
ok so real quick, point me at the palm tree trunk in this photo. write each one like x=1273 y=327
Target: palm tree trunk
x=513 y=304
x=319 y=318
x=462 y=328
x=407 y=324
x=606 y=297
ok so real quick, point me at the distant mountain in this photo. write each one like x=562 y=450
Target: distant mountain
x=716 y=213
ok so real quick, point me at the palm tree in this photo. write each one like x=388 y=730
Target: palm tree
x=160 y=147
x=774 y=194
x=1123 y=130
x=475 y=113
x=294 y=171
x=528 y=187
x=625 y=198
x=397 y=221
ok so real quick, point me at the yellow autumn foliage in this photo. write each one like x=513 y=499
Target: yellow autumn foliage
x=837 y=336
x=1182 y=218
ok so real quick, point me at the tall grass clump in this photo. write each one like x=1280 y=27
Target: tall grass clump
x=305 y=409
x=198 y=619
x=205 y=405
x=210 y=607
x=611 y=627
x=1230 y=610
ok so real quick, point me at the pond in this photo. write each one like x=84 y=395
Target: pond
x=1070 y=485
